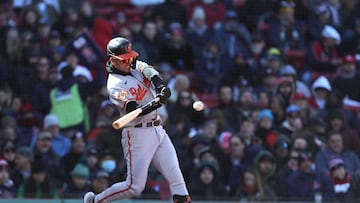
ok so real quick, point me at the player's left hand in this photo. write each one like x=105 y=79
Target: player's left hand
x=164 y=94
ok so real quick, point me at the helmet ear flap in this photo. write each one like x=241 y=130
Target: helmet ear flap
x=133 y=63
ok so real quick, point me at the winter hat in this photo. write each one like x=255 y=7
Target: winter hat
x=198 y=13
x=330 y=32
x=80 y=170
x=349 y=59
x=335 y=162
x=25 y=152
x=299 y=96
x=3 y=163
x=265 y=113
x=288 y=70
x=50 y=120
x=335 y=114
x=224 y=139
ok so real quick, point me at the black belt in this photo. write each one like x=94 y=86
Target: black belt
x=148 y=124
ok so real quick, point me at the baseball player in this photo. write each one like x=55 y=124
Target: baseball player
x=131 y=84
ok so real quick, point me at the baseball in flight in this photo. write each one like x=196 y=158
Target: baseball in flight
x=198 y=106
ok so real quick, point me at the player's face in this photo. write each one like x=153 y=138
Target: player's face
x=121 y=65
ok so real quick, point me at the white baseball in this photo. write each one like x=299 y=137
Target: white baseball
x=198 y=106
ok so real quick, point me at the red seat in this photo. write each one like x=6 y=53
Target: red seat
x=210 y=99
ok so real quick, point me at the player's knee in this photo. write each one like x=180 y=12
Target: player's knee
x=136 y=190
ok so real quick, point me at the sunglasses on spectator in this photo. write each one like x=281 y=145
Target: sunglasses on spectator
x=9 y=150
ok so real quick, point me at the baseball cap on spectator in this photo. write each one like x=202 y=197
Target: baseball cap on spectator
x=349 y=59
x=292 y=109
x=334 y=162
x=299 y=96
x=273 y=54
x=101 y=175
x=304 y=156
x=288 y=70
x=257 y=37
x=231 y=15
x=321 y=9
x=287 y=6
x=175 y=28
x=50 y=120
x=3 y=163
x=281 y=141
x=92 y=152
x=265 y=113
x=106 y=103
x=285 y=81
x=80 y=170
x=330 y=32
x=44 y=135
x=25 y=152
x=54 y=34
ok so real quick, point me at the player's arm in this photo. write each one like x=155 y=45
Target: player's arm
x=162 y=91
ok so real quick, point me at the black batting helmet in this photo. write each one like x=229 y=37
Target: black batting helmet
x=121 y=48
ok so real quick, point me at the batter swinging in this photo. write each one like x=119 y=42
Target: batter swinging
x=133 y=83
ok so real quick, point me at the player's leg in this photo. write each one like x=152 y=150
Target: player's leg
x=139 y=145
x=166 y=161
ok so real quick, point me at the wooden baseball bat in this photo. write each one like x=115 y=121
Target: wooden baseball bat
x=127 y=118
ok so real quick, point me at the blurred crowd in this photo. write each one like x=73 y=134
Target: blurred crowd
x=283 y=121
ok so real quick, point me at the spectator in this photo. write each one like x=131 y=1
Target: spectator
x=303 y=184
x=23 y=164
x=320 y=91
x=213 y=66
x=292 y=122
x=60 y=143
x=340 y=179
x=289 y=72
x=253 y=188
x=318 y=18
x=233 y=36
x=214 y=12
x=275 y=60
x=283 y=173
x=39 y=184
x=114 y=167
x=350 y=137
x=92 y=162
x=43 y=152
x=151 y=40
x=286 y=32
x=77 y=153
x=265 y=129
x=207 y=185
x=265 y=164
x=8 y=152
x=323 y=55
x=348 y=79
x=198 y=32
x=7 y=187
x=171 y=11
x=100 y=182
x=335 y=148
x=286 y=90
x=177 y=51
x=79 y=183
x=227 y=105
